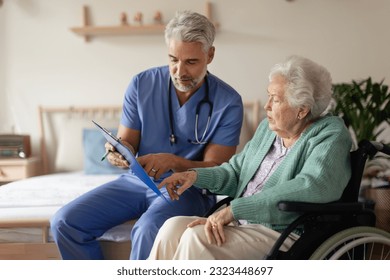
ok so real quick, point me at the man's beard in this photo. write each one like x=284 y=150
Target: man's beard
x=185 y=88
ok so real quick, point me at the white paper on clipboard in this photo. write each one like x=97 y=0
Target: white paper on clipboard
x=128 y=155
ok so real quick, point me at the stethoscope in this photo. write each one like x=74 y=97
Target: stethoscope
x=205 y=100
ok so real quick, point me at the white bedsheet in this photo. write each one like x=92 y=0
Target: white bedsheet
x=49 y=190
x=40 y=197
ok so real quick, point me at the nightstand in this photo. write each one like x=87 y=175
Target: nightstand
x=12 y=169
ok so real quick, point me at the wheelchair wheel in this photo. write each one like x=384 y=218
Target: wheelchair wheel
x=374 y=247
x=357 y=243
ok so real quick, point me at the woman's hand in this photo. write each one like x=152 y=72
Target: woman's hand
x=213 y=225
x=183 y=179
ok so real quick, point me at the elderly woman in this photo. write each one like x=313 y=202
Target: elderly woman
x=297 y=153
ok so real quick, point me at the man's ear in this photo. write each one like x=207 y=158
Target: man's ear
x=211 y=54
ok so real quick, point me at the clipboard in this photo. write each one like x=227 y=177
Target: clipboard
x=128 y=155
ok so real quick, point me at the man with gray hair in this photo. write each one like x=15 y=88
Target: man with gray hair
x=174 y=117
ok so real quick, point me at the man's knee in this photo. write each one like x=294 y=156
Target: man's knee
x=57 y=223
x=63 y=223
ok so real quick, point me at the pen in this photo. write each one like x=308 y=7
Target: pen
x=105 y=155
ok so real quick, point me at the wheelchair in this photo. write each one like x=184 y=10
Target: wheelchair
x=344 y=229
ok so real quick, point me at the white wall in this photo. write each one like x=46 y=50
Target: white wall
x=3 y=112
x=44 y=63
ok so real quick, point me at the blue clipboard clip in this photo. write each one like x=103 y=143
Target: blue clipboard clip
x=134 y=164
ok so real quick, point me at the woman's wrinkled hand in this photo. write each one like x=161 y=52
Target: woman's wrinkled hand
x=214 y=225
x=177 y=183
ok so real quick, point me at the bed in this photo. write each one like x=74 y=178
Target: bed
x=71 y=149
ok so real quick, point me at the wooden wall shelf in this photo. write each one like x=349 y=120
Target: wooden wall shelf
x=118 y=30
x=88 y=30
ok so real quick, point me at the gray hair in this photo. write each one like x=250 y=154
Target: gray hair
x=189 y=26
x=308 y=84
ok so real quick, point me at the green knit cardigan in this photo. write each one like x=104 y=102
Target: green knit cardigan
x=316 y=169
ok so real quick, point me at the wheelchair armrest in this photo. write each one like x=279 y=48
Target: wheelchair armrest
x=219 y=204
x=331 y=207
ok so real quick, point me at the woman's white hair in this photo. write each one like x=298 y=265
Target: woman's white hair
x=308 y=84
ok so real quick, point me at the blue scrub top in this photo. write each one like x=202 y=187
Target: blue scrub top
x=146 y=108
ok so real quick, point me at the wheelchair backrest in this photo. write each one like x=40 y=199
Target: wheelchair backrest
x=358 y=161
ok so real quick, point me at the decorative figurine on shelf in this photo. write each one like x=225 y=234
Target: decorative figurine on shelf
x=158 y=18
x=138 y=18
x=124 y=19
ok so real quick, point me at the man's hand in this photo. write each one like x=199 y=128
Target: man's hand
x=116 y=158
x=157 y=164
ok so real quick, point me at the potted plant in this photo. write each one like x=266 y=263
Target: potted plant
x=364 y=107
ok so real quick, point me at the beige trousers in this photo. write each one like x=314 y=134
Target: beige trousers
x=175 y=241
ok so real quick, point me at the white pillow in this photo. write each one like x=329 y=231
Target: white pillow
x=70 y=153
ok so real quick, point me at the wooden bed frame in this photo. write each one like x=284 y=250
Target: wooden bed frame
x=46 y=249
